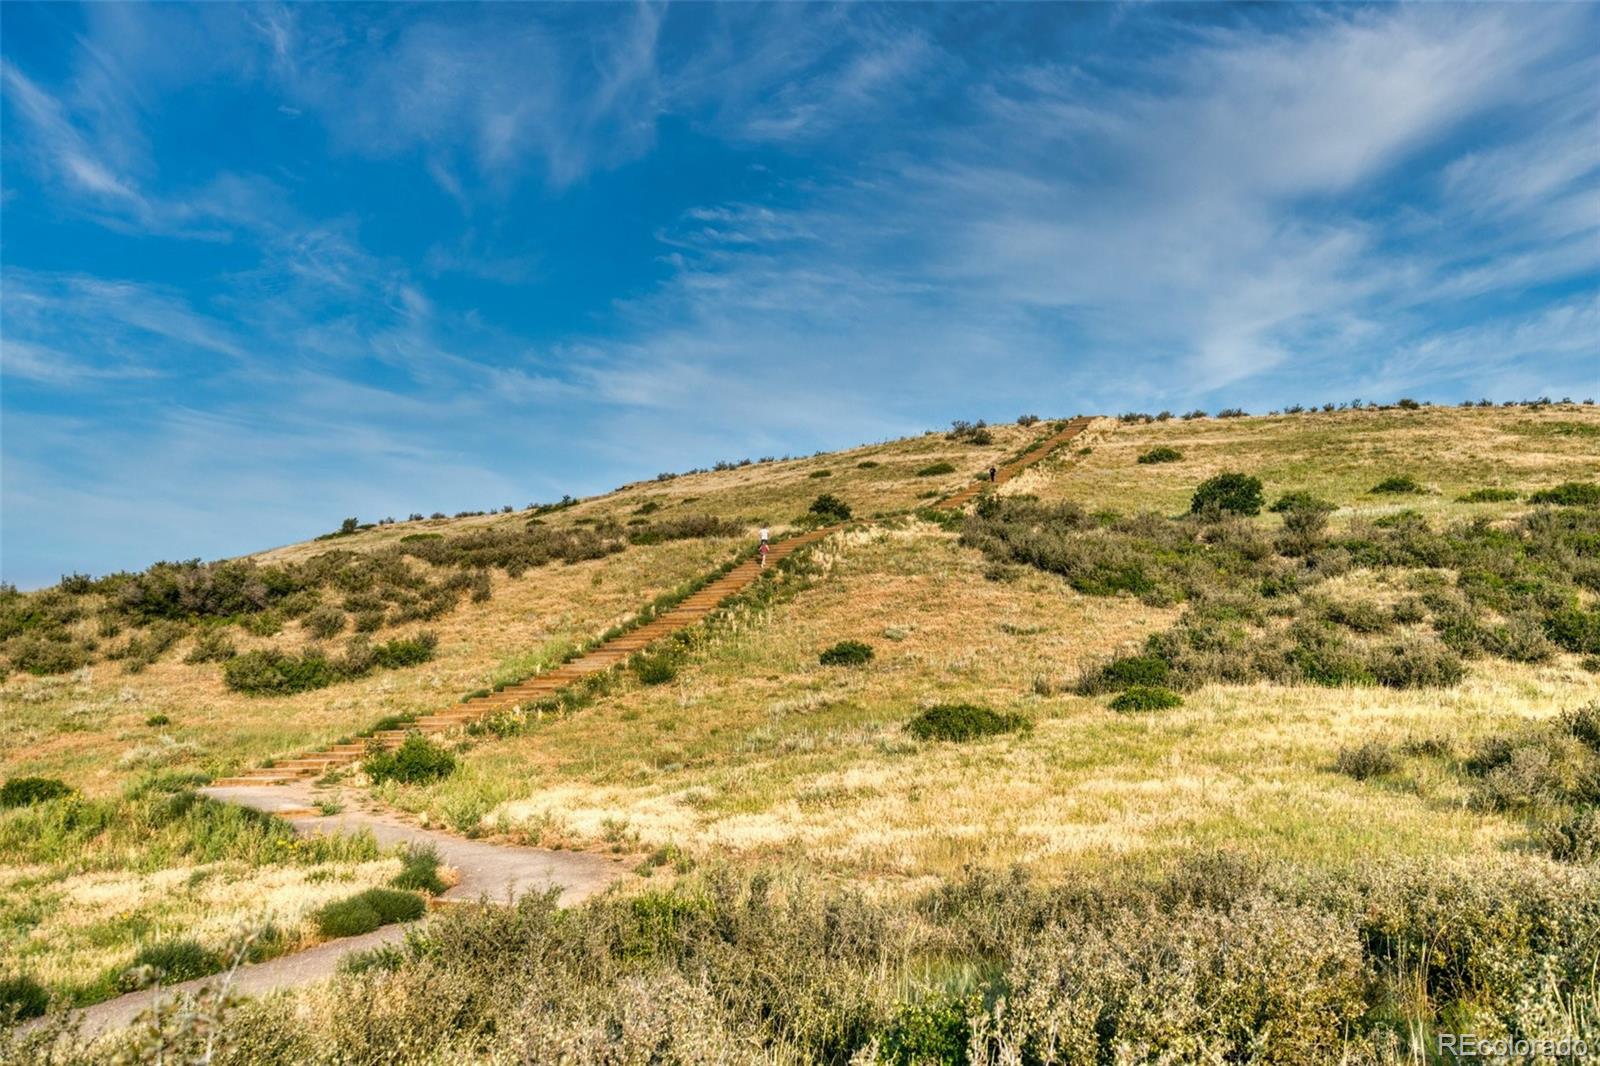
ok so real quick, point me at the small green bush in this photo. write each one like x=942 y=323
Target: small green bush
x=1372 y=759
x=935 y=469
x=657 y=669
x=21 y=998
x=867 y=464
x=324 y=622
x=1228 y=493
x=847 y=653
x=1150 y=670
x=1489 y=496
x=1145 y=698
x=369 y=910
x=1396 y=486
x=1161 y=454
x=178 y=960
x=1417 y=663
x=26 y=791
x=420 y=871
x=1300 y=500
x=268 y=671
x=1570 y=494
x=963 y=721
x=830 y=507
x=211 y=646
x=1584 y=723
x=417 y=760
x=1577 y=839
x=157 y=720
x=1575 y=629
x=929 y=1033
x=42 y=656
x=820 y=473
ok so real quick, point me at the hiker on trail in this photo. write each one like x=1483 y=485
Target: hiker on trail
x=992 y=473
x=763 y=534
x=763 y=552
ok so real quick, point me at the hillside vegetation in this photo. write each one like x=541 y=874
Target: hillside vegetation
x=1084 y=774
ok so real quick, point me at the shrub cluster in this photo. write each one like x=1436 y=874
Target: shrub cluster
x=1398 y=485
x=964 y=721
x=1145 y=698
x=1197 y=963
x=1161 y=454
x=269 y=672
x=1229 y=493
x=971 y=432
x=416 y=761
x=829 y=508
x=847 y=653
x=936 y=469
x=26 y=791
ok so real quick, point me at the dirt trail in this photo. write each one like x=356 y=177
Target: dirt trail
x=487 y=871
x=498 y=873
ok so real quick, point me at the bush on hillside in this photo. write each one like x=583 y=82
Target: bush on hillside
x=324 y=622
x=1233 y=412
x=656 y=669
x=1300 y=500
x=420 y=871
x=1396 y=486
x=1372 y=759
x=1123 y=672
x=1161 y=454
x=42 y=656
x=1027 y=420
x=26 y=791
x=211 y=646
x=1145 y=698
x=830 y=508
x=963 y=721
x=1577 y=839
x=1228 y=493
x=1489 y=496
x=1570 y=494
x=416 y=761
x=846 y=653
x=935 y=469
x=270 y=672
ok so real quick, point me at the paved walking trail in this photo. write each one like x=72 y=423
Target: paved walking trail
x=493 y=871
x=499 y=873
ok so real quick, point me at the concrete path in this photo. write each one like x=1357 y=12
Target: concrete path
x=498 y=873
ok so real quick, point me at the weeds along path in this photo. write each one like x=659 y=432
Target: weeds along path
x=607 y=655
x=497 y=873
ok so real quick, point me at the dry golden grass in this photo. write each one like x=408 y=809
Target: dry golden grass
x=89 y=728
x=758 y=752
x=1338 y=456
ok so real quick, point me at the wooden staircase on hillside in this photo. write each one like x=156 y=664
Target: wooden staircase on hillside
x=612 y=653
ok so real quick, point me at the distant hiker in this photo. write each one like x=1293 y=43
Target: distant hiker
x=763 y=534
x=763 y=552
x=992 y=473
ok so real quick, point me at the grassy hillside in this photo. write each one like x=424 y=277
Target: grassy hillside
x=1269 y=716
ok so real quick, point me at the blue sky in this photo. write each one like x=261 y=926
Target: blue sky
x=268 y=266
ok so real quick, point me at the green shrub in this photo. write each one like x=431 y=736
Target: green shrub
x=366 y=911
x=1584 y=723
x=1396 y=486
x=935 y=469
x=820 y=473
x=1300 y=500
x=1570 y=494
x=416 y=761
x=26 y=791
x=847 y=653
x=868 y=464
x=420 y=871
x=1417 y=663
x=1161 y=454
x=929 y=1033
x=1372 y=759
x=211 y=646
x=405 y=651
x=324 y=622
x=1489 y=496
x=830 y=508
x=173 y=961
x=1575 y=629
x=21 y=998
x=1145 y=698
x=657 y=669
x=1120 y=673
x=157 y=720
x=40 y=655
x=268 y=671
x=1228 y=493
x=963 y=721
x=1577 y=839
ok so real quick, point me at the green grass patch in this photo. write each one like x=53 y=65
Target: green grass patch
x=964 y=721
